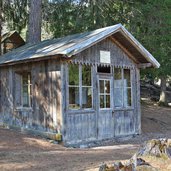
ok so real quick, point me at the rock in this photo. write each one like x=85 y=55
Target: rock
x=155 y=147
x=118 y=165
x=103 y=167
x=140 y=162
x=146 y=168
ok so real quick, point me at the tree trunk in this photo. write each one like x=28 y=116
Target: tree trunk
x=34 y=27
x=0 y=26
x=163 y=98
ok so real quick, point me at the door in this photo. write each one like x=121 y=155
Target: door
x=105 y=118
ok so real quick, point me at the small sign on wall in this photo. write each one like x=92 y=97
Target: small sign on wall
x=105 y=57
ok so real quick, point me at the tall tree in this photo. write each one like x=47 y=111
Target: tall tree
x=85 y=15
x=0 y=25
x=152 y=25
x=35 y=20
x=16 y=14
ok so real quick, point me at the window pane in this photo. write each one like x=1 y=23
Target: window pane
x=117 y=74
x=73 y=75
x=127 y=78
x=26 y=90
x=127 y=97
x=86 y=75
x=102 y=104
x=107 y=101
x=86 y=97
x=25 y=100
x=118 y=97
x=25 y=79
x=107 y=86
x=101 y=82
x=74 y=97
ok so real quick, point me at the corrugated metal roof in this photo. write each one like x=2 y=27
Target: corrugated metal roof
x=71 y=45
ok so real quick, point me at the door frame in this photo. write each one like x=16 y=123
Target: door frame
x=109 y=77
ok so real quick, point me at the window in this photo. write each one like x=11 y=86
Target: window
x=74 y=100
x=80 y=87
x=86 y=87
x=104 y=93
x=127 y=87
x=26 y=90
x=23 y=91
x=122 y=88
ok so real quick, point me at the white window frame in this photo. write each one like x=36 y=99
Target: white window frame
x=105 y=94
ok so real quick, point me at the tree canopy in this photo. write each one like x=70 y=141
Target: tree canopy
x=148 y=20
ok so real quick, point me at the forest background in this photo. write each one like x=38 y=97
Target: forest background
x=148 y=20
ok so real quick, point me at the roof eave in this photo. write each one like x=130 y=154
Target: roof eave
x=147 y=55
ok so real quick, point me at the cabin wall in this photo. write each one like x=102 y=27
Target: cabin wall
x=45 y=111
x=92 y=55
x=85 y=125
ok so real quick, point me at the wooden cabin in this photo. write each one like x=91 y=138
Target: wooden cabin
x=11 y=40
x=84 y=86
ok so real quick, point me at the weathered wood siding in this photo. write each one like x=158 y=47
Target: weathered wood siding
x=81 y=127
x=49 y=111
x=92 y=54
x=45 y=112
x=85 y=126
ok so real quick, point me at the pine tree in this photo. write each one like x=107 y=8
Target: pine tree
x=34 y=27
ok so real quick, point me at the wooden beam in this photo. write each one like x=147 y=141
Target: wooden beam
x=144 y=65
x=124 y=49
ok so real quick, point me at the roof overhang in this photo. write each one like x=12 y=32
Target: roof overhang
x=71 y=45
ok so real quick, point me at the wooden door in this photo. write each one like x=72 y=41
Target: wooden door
x=105 y=118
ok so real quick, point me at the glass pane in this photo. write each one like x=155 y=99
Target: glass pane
x=25 y=89
x=107 y=101
x=101 y=82
x=86 y=75
x=127 y=78
x=118 y=97
x=74 y=97
x=117 y=73
x=25 y=79
x=73 y=74
x=107 y=86
x=127 y=97
x=102 y=104
x=25 y=101
x=86 y=97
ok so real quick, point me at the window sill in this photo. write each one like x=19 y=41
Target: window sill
x=126 y=108
x=80 y=111
x=24 y=108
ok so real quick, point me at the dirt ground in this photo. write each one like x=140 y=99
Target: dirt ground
x=27 y=152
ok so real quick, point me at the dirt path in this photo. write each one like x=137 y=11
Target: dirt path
x=25 y=152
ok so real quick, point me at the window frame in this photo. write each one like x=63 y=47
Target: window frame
x=104 y=93
x=123 y=94
x=29 y=87
x=30 y=90
x=80 y=86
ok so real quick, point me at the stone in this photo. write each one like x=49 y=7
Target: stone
x=155 y=147
x=103 y=167
x=146 y=168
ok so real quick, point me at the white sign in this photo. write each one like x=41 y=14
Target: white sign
x=105 y=57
